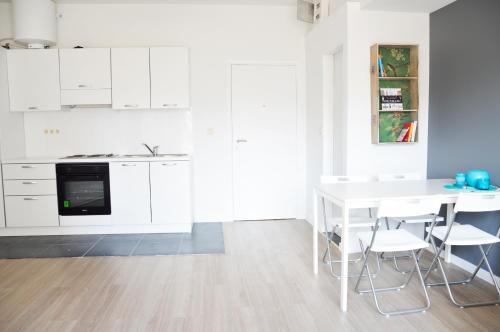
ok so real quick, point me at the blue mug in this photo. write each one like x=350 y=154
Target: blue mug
x=460 y=180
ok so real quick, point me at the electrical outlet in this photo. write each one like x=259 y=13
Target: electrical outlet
x=210 y=131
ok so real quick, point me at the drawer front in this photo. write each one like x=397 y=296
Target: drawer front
x=31 y=211
x=30 y=187
x=29 y=171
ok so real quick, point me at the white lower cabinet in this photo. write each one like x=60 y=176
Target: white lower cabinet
x=31 y=211
x=130 y=197
x=170 y=192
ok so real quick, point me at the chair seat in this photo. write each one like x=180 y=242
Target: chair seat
x=418 y=220
x=353 y=222
x=392 y=241
x=464 y=235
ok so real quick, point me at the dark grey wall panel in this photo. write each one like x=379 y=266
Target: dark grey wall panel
x=464 y=119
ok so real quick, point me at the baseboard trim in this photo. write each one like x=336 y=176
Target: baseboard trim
x=469 y=267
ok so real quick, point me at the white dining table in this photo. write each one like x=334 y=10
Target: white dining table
x=349 y=196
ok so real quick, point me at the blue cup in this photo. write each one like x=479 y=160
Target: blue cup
x=483 y=183
x=460 y=180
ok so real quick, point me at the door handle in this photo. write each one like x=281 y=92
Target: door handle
x=241 y=141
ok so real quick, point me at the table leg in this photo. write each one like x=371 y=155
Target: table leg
x=345 y=259
x=315 y=231
x=450 y=217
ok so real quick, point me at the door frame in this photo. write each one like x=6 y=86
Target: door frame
x=229 y=105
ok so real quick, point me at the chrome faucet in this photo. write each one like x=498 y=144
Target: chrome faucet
x=154 y=150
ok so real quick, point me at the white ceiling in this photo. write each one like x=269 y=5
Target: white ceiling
x=417 y=6
x=227 y=2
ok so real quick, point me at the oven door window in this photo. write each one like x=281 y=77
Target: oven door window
x=84 y=194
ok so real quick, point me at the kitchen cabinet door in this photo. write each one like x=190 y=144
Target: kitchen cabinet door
x=33 y=80
x=130 y=196
x=169 y=77
x=85 y=68
x=170 y=192
x=130 y=78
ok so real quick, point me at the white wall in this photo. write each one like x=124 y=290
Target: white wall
x=216 y=35
x=403 y=28
x=355 y=31
x=327 y=38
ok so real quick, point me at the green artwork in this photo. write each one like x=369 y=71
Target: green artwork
x=396 y=61
x=390 y=125
x=405 y=90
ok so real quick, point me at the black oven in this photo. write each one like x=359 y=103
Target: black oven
x=83 y=189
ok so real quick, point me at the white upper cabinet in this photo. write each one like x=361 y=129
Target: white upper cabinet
x=34 y=80
x=130 y=78
x=169 y=77
x=85 y=68
x=85 y=76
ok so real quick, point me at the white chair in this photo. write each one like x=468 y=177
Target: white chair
x=397 y=240
x=335 y=223
x=467 y=235
x=407 y=220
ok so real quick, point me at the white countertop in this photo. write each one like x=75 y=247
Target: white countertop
x=119 y=158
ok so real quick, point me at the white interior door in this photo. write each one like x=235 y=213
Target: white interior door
x=264 y=111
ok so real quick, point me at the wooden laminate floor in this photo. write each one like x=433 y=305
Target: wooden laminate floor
x=264 y=282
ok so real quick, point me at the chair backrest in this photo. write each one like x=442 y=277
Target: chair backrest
x=478 y=202
x=328 y=179
x=399 y=177
x=406 y=207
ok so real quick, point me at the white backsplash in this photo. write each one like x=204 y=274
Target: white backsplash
x=88 y=131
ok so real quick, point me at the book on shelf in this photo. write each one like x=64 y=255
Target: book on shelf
x=390 y=91
x=414 y=131
x=404 y=131
x=408 y=132
x=391 y=99
x=392 y=106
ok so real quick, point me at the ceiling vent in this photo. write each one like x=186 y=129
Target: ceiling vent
x=34 y=23
x=309 y=10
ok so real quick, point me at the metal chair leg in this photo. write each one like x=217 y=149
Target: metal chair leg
x=374 y=290
x=448 y=283
x=329 y=240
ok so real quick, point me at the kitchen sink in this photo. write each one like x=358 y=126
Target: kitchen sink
x=150 y=155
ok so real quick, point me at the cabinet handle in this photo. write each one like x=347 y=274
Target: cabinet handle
x=33 y=107
x=129 y=165
x=28 y=166
x=241 y=141
x=30 y=182
x=169 y=164
x=82 y=85
x=130 y=105
x=169 y=105
x=30 y=199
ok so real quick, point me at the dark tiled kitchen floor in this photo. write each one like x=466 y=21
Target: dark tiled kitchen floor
x=206 y=238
